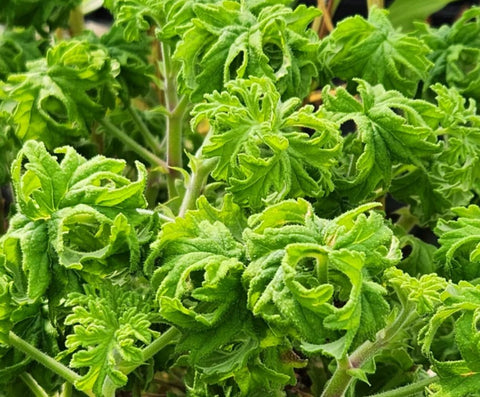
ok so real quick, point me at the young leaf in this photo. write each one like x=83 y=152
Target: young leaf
x=376 y=52
x=134 y=17
x=241 y=40
x=109 y=327
x=423 y=292
x=264 y=153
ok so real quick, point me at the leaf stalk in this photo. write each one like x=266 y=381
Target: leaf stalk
x=133 y=145
x=341 y=379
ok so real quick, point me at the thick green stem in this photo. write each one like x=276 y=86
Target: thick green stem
x=133 y=145
x=76 y=21
x=109 y=388
x=375 y=3
x=196 y=184
x=32 y=384
x=341 y=379
x=408 y=390
x=47 y=361
x=67 y=390
x=147 y=135
x=406 y=221
x=174 y=126
x=167 y=338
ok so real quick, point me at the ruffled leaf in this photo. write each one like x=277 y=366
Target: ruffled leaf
x=373 y=50
x=230 y=40
x=263 y=150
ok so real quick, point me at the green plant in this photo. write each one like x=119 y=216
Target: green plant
x=205 y=201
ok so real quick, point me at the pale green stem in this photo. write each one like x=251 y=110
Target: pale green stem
x=109 y=388
x=408 y=390
x=167 y=338
x=147 y=135
x=76 y=22
x=406 y=221
x=32 y=384
x=133 y=145
x=196 y=185
x=341 y=379
x=67 y=390
x=176 y=109
x=44 y=359
x=375 y=3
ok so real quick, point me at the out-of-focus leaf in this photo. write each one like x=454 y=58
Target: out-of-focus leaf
x=403 y=13
x=37 y=13
x=376 y=52
x=57 y=99
x=459 y=377
x=455 y=52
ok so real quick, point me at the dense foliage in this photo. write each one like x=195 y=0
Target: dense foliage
x=210 y=199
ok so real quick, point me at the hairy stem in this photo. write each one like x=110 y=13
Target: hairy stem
x=32 y=384
x=196 y=184
x=341 y=379
x=408 y=390
x=67 y=390
x=174 y=120
x=324 y=21
x=375 y=3
x=147 y=135
x=167 y=338
x=406 y=221
x=133 y=145
x=76 y=23
x=44 y=359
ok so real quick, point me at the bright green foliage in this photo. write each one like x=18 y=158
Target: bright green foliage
x=375 y=52
x=69 y=211
x=37 y=13
x=460 y=377
x=179 y=13
x=455 y=53
x=295 y=256
x=134 y=17
x=450 y=177
x=109 y=326
x=459 y=252
x=232 y=40
x=390 y=129
x=263 y=151
x=199 y=275
x=58 y=97
x=423 y=292
x=301 y=264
